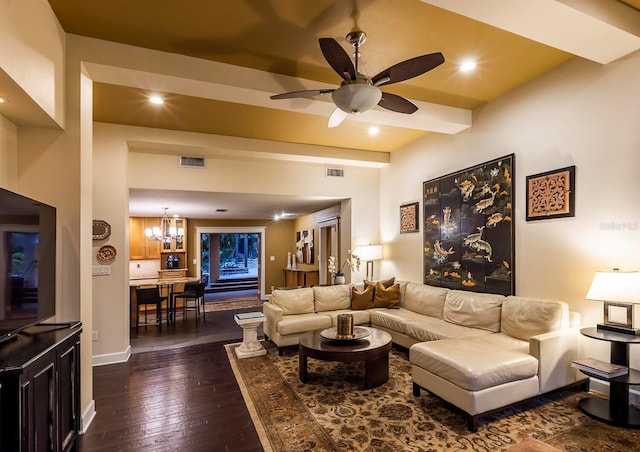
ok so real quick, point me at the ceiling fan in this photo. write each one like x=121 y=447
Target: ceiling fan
x=357 y=93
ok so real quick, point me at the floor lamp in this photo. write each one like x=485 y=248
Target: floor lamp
x=370 y=253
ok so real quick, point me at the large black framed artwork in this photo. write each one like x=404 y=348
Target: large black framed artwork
x=468 y=240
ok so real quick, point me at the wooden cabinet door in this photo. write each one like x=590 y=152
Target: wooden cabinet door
x=152 y=247
x=137 y=245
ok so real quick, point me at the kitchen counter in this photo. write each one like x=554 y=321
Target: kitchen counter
x=161 y=281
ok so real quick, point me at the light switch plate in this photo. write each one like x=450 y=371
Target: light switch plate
x=101 y=270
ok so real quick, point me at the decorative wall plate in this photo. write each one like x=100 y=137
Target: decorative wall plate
x=101 y=229
x=107 y=253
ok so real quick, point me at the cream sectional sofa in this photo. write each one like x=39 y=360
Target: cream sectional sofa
x=479 y=352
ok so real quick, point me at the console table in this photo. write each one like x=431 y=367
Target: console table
x=300 y=278
x=616 y=410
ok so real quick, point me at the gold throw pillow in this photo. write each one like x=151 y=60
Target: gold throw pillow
x=387 y=298
x=361 y=300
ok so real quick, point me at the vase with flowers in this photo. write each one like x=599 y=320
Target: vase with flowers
x=352 y=260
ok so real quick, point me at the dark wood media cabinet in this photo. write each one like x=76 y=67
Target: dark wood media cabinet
x=40 y=389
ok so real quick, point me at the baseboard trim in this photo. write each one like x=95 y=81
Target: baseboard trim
x=112 y=358
x=87 y=417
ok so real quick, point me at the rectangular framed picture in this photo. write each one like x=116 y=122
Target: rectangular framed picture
x=468 y=228
x=409 y=218
x=552 y=194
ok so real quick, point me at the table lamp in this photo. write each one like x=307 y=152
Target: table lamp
x=620 y=292
x=370 y=253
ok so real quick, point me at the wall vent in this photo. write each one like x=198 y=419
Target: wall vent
x=192 y=162
x=334 y=172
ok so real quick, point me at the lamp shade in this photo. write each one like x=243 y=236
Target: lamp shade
x=356 y=97
x=370 y=252
x=620 y=286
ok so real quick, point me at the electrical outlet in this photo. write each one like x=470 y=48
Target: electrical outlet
x=272 y=258
x=94 y=336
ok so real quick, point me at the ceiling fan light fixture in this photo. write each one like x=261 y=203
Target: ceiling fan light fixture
x=356 y=97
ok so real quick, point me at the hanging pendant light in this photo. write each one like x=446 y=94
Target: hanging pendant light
x=165 y=233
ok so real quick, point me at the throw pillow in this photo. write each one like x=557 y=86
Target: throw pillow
x=362 y=299
x=386 y=283
x=387 y=297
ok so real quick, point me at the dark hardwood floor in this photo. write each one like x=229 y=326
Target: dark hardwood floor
x=176 y=392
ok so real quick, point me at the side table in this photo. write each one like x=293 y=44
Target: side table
x=251 y=346
x=616 y=410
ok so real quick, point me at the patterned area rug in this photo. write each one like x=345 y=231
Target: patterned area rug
x=333 y=412
x=233 y=303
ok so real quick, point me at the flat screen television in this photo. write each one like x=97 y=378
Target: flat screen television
x=27 y=262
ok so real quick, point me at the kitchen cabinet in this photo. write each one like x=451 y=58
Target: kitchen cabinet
x=173 y=254
x=139 y=246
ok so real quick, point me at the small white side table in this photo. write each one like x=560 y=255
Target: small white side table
x=251 y=346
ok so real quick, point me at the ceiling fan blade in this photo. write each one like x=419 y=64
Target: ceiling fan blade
x=408 y=69
x=396 y=103
x=306 y=93
x=337 y=58
x=336 y=118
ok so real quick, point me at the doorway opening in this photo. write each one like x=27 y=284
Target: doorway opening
x=231 y=259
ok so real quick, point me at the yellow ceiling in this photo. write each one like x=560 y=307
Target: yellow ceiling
x=281 y=36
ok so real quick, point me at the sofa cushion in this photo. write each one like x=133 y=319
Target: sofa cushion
x=526 y=317
x=427 y=300
x=473 y=364
x=386 y=298
x=295 y=301
x=432 y=329
x=298 y=324
x=330 y=298
x=359 y=317
x=361 y=299
x=472 y=309
x=393 y=319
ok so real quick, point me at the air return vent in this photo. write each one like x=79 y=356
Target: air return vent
x=192 y=162
x=334 y=172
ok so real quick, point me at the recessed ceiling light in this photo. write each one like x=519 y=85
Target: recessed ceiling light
x=467 y=66
x=3 y=100
x=374 y=130
x=156 y=100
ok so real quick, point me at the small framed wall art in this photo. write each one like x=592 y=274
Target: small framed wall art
x=551 y=194
x=409 y=218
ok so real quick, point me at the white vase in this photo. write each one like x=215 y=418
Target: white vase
x=339 y=279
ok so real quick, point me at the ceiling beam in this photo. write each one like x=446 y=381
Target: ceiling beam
x=598 y=30
x=253 y=87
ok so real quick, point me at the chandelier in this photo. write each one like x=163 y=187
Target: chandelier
x=166 y=232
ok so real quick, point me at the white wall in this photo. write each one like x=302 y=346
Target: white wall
x=580 y=114
x=33 y=53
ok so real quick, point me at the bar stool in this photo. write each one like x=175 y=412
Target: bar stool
x=146 y=296
x=193 y=296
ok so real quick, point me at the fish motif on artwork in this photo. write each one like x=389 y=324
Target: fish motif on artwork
x=485 y=203
x=482 y=246
x=471 y=238
x=466 y=189
x=441 y=251
x=494 y=219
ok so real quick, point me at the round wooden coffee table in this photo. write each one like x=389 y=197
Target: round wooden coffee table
x=373 y=350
